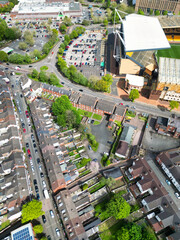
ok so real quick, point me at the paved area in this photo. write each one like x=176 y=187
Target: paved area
x=156 y=142
x=102 y=134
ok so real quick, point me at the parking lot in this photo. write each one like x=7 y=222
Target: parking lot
x=41 y=37
x=84 y=52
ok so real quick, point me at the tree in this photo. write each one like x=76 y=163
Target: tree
x=23 y=46
x=67 y=38
x=173 y=104
x=61 y=104
x=31 y=210
x=67 y=21
x=43 y=77
x=135 y=232
x=49 y=21
x=43 y=238
x=38 y=229
x=123 y=234
x=140 y=11
x=29 y=40
x=3 y=56
x=62 y=28
x=85 y=22
x=134 y=94
x=151 y=11
x=105 y=22
x=85 y=186
x=53 y=80
x=157 y=13
x=165 y=12
x=34 y=73
x=118 y=207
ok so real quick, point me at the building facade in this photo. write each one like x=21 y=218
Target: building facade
x=161 y=5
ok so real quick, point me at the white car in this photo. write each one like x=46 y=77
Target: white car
x=51 y=213
x=58 y=232
x=43 y=183
x=177 y=195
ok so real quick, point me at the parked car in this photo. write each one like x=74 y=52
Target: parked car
x=37 y=196
x=51 y=213
x=42 y=175
x=177 y=195
x=36 y=189
x=38 y=160
x=89 y=146
x=34 y=145
x=168 y=182
x=24 y=130
x=27 y=145
x=58 y=232
x=29 y=152
x=35 y=182
x=44 y=183
x=44 y=218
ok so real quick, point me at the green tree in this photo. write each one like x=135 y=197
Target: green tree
x=62 y=28
x=118 y=207
x=85 y=186
x=53 y=80
x=29 y=40
x=67 y=38
x=105 y=22
x=123 y=234
x=135 y=232
x=67 y=21
x=34 y=73
x=85 y=22
x=31 y=210
x=43 y=77
x=140 y=11
x=173 y=104
x=61 y=104
x=165 y=12
x=134 y=94
x=37 y=53
x=43 y=238
x=74 y=34
x=151 y=11
x=157 y=13
x=38 y=229
x=3 y=56
x=23 y=46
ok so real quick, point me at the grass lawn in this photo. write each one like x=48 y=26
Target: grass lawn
x=173 y=52
x=43 y=68
x=130 y=114
x=84 y=173
x=108 y=234
x=17 y=73
x=84 y=113
x=96 y=123
x=96 y=187
x=97 y=116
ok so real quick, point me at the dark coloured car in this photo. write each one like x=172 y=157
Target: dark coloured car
x=35 y=182
x=36 y=189
x=27 y=145
x=42 y=175
x=89 y=146
x=49 y=237
x=23 y=125
x=37 y=196
x=38 y=160
x=109 y=142
x=81 y=90
x=34 y=145
x=92 y=121
x=44 y=218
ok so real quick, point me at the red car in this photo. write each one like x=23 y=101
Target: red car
x=24 y=130
x=29 y=152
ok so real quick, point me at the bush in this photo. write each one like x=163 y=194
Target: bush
x=85 y=186
x=140 y=11
x=157 y=13
x=38 y=229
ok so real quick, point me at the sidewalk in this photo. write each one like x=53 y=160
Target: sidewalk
x=157 y=103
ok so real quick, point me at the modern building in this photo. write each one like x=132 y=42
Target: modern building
x=133 y=82
x=23 y=233
x=169 y=79
x=161 y=5
x=44 y=9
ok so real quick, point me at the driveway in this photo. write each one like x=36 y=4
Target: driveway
x=102 y=134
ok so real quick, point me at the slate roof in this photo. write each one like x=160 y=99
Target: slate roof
x=105 y=106
x=87 y=100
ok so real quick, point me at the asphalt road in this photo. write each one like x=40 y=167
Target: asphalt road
x=51 y=223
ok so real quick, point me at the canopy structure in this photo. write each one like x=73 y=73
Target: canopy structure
x=7 y=50
x=142 y=33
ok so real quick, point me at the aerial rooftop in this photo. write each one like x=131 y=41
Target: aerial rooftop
x=143 y=33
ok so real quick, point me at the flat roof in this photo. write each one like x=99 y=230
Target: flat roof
x=135 y=80
x=169 y=70
x=23 y=233
x=143 y=33
x=7 y=49
x=127 y=66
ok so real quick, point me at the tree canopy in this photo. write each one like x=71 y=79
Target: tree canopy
x=173 y=104
x=38 y=229
x=118 y=207
x=134 y=94
x=66 y=114
x=3 y=56
x=31 y=210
